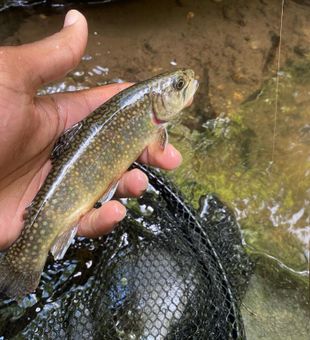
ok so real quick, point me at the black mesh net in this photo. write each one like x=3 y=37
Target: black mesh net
x=164 y=273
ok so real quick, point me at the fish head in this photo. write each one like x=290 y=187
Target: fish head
x=171 y=93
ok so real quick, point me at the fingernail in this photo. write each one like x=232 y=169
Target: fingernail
x=71 y=17
x=120 y=212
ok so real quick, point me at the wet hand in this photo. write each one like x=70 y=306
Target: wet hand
x=30 y=125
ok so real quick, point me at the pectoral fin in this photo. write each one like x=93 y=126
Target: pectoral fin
x=163 y=137
x=62 y=243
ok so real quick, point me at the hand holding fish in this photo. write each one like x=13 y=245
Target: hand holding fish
x=30 y=125
x=101 y=147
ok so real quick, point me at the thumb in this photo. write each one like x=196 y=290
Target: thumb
x=51 y=58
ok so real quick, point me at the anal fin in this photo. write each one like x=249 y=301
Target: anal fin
x=63 y=242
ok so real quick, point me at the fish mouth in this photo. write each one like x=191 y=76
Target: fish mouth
x=156 y=120
x=193 y=87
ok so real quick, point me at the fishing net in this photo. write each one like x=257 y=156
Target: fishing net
x=163 y=273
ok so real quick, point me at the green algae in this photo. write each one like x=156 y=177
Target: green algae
x=256 y=160
x=260 y=170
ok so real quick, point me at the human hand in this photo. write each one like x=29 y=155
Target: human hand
x=30 y=125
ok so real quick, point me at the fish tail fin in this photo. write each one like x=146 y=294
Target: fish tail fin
x=14 y=283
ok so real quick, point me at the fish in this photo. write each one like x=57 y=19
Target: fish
x=87 y=163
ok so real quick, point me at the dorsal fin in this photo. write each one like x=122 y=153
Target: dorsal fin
x=64 y=140
x=28 y=211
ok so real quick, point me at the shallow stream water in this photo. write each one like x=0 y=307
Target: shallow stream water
x=228 y=134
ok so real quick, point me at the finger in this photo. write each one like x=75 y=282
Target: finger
x=51 y=58
x=74 y=106
x=132 y=184
x=101 y=221
x=167 y=159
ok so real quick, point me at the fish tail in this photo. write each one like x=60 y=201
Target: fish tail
x=14 y=283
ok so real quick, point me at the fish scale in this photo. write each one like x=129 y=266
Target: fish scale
x=87 y=162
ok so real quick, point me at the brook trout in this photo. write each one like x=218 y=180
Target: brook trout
x=87 y=163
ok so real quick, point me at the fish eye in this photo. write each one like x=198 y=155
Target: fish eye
x=179 y=84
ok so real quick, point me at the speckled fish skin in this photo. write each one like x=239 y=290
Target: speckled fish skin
x=98 y=151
